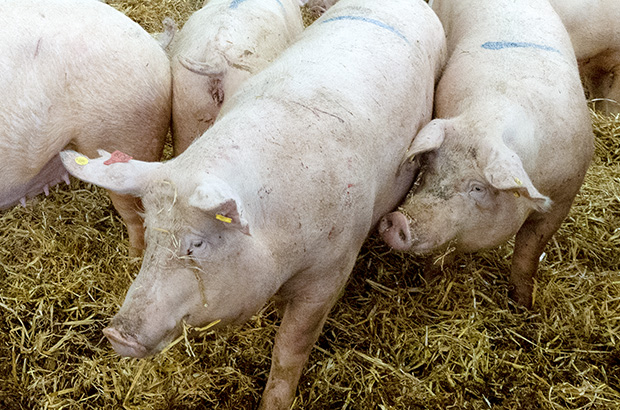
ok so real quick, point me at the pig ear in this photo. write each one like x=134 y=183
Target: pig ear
x=428 y=139
x=505 y=172
x=215 y=71
x=216 y=197
x=116 y=172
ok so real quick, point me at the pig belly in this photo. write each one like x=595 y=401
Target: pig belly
x=51 y=174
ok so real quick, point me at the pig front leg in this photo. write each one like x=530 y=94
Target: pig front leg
x=530 y=243
x=304 y=313
x=128 y=208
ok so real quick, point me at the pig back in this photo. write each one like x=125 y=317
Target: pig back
x=77 y=73
x=226 y=41
x=591 y=24
x=336 y=113
x=517 y=63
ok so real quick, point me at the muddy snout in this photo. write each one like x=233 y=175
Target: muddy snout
x=124 y=344
x=394 y=229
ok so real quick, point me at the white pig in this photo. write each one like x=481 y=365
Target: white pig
x=77 y=74
x=278 y=196
x=219 y=47
x=511 y=143
x=594 y=28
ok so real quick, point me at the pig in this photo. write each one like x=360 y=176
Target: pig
x=594 y=28
x=277 y=197
x=77 y=74
x=218 y=48
x=510 y=144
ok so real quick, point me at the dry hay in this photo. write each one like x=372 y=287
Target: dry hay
x=391 y=342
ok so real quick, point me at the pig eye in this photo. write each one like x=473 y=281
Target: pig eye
x=196 y=246
x=480 y=193
x=477 y=191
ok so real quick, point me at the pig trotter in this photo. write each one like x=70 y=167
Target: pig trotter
x=522 y=294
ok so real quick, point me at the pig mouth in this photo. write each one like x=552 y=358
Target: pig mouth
x=128 y=345
x=402 y=232
x=124 y=344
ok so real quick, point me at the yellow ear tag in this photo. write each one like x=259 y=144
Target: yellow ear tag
x=517 y=195
x=223 y=218
x=81 y=160
x=518 y=181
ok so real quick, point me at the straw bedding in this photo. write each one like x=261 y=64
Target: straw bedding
x=393 y=341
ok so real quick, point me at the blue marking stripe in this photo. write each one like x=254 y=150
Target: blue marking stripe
x=371 y=21
x=498 y=45
x=236 y=3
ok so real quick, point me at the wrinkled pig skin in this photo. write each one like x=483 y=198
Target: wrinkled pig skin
x=276 y=199
x=220 y=46
x=595 y=33
x=77 y=74
x=511 y=143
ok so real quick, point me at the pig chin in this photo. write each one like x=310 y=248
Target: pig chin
x=424 y=245
x=425 y=248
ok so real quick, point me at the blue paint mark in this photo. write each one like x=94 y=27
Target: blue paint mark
x=371 y=21
x=236 y=3
x=498 y=45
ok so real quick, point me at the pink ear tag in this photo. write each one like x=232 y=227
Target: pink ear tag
x=116 y=157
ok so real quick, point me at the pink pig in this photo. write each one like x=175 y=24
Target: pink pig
x=219 y=47
x=511 y=143
x=276 y=199
x=594 y=28
x=77 y=74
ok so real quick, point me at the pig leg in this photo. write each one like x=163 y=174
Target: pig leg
x=530 y=242
x=601 y=77
x=305 y=312
x=128 y=208
x=614 y=91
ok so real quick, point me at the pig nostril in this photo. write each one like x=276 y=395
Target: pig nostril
x=403 y=235
x=388 y=224
x=385 y=225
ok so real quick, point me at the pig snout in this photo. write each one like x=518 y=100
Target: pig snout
x=125 y=345
x=394 y=229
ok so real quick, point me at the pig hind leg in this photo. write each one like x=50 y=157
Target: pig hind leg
x=614 y=90
x=530 y=243
x=601 y=79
